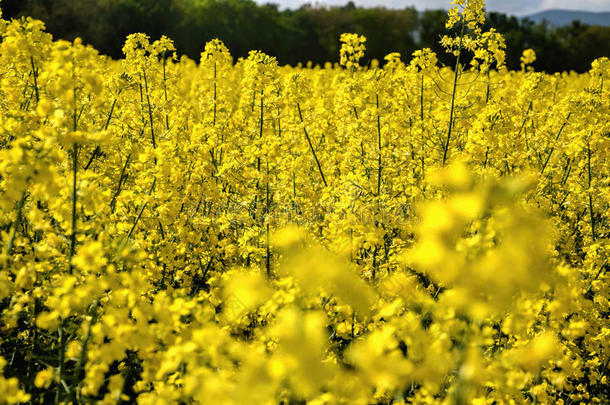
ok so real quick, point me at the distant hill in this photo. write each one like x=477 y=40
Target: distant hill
x=565 y=17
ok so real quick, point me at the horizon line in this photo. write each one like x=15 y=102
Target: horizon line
x=326 y=4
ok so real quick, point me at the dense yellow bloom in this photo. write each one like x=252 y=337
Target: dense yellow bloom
x=352 y=50
x=44 y=378
x=528 y=57
x=235 y=232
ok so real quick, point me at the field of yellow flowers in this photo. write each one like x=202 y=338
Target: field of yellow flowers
x=236 y=232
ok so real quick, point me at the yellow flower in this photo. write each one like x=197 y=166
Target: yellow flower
x=44 y=378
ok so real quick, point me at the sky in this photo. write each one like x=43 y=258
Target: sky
x=515 y=7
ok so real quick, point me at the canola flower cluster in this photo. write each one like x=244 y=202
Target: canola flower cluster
x=231 y=232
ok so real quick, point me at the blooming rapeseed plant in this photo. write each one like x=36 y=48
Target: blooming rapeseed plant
x=236 y=231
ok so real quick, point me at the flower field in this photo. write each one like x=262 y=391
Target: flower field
x=238 y=232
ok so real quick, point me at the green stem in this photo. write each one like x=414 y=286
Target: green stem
x=529 y=108
x=548 y=157
x=35 y=75
x=268 y=249
x=135 y=223
x=60 y=368
x=313 y=152
x=379 y=146
x=215 y=94
x=603 y=268
x=34 y=336
x=83 y=352
x=165 y=93
x=97 y=150
x=421 y=98
x=9 y=246
x=74 y=197
x=375 y=263
x=150 y=114
x=119 y=186
x=488 y=87
x=453 y=94
x=422 y=126
x=591 y=213
x=258 y=158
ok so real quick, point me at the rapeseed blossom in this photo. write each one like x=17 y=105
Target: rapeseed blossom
x=236 y=231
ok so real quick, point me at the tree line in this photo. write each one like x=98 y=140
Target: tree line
x=307 y=34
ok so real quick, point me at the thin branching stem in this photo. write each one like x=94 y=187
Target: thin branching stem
x=16 y=224
x=215 y=94
x=165 y=92
x=35 y=76
x=313 y=152
x=548 y=156
x=456 y=74
x=268 y=249
x=120 y=185
x=60 y=367
x=379 y=168
x=74 y=189
x=135 y=223
x=150 y=113
x=591 y=213
x=74 y=198
x=98 y=150
x=78 y=369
